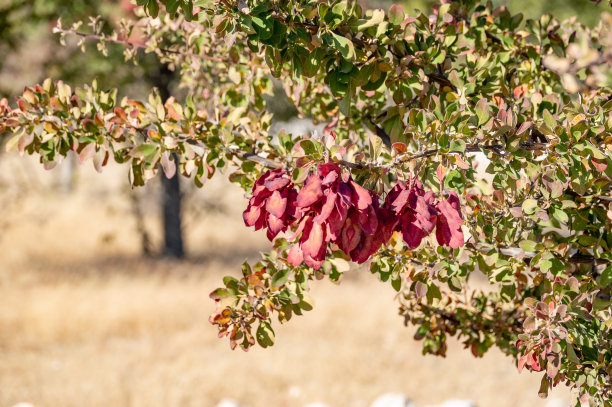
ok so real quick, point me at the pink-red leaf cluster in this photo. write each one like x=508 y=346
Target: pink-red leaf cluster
x=332 y=208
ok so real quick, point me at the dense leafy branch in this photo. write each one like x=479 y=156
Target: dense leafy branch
x=459 y=143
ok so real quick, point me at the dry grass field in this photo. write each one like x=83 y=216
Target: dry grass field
x=86 y=321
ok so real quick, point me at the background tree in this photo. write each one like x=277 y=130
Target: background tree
x=413 y=106
x=27 y=28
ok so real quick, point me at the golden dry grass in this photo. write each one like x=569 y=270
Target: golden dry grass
x=84 y=321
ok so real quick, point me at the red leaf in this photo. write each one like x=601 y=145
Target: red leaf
x=412 y=235
x=553 y=364
x=440 y=172
x=87 y=152
x=301 y=227
x=26 y=140
x=368 y=220
x=518 y=91
x=361 y=197
x=276 y=179
x=275 y=226
x=292 y=209
x=120 y=113
x=420 y=289
x=387 y=223
x=351 y=234
x=276 y=183
x=23 y=105
x=401 y=199
x=327 y=168
x=168 y=165
x=344 y=195
x=260 y=194
x=533 y=362
x=251 y=214
x=276 y=204
x=425 y=214
x=311 y=192
x=335 y=222
x=601 y=167
x=312 y=239
x=368 y=245
x=172 y=113
x=448 y=225
x=399 y=147
x=328 y=207
x=521 y=363
x=330 y=178
x=295 y=256
x=314 y=262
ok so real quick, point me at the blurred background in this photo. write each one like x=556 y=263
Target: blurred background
x=104 y=289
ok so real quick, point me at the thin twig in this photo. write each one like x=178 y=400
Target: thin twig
x=497 y=148
x=139 y=45
x=577 y=258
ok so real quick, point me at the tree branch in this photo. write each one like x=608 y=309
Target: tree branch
x=139 y=45
x=577 y=258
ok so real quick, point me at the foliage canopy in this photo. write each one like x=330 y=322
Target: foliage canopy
x=465 y=141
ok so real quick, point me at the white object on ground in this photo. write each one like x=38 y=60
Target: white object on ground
x=458 y=403
x=295 y=391
x=392 y=400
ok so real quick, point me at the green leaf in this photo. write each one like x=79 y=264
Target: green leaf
x=528 y=245
x=484 y=186
x=549 y=119
x=376 y=18
x=482 y=111
x=455 y=284
x=187 y=7
x=529 y=206
x=153 y=8
x=344 y=45
x=554 y=265
x=560 y=215
x=457 y=145
x=309 y=146
x=396 y=283
x=172 y=6
x=263 y=26
x=375 y=84
x=265 y=335
x=306 y=303
x=433 y=292
x=230 y=282
x=280 y=278
x=396 y=14
x=144 y=150
x=345 y=104
x=571 y=354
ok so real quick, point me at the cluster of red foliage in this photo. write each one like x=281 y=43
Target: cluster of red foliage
x=417 y=212
x=273 y=203
x=332 y=208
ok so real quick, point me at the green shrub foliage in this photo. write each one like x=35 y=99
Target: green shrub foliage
x=465 y=141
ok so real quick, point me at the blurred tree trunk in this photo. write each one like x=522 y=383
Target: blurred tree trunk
x=173 y=228
x=171 y=188
x=67 y=175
